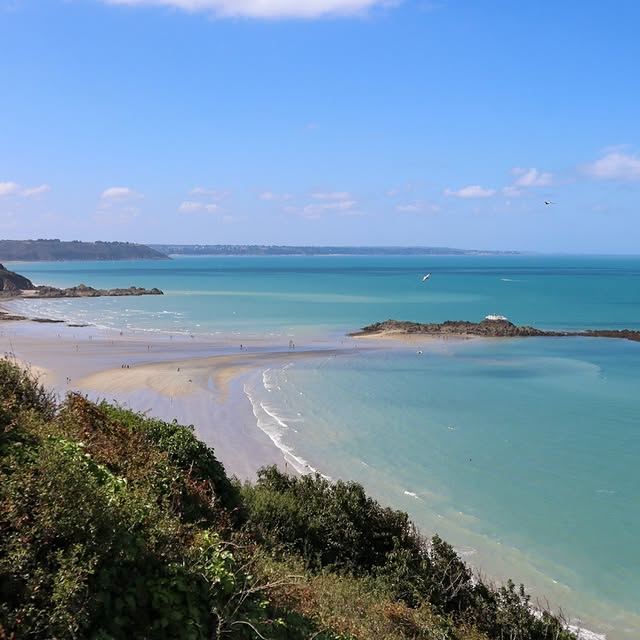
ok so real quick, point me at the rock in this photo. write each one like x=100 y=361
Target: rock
x=485 y=328
x=13 y=282
x=83 y=291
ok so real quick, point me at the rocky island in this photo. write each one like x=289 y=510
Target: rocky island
x=487 y=328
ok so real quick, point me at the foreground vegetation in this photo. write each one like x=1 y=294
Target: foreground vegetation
x=114 y=525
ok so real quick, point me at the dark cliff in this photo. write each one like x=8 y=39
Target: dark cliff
x=12 y=282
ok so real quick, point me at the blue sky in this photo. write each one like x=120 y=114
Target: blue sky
x=322 y=122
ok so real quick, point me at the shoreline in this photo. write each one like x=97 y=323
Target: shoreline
x=196 y=382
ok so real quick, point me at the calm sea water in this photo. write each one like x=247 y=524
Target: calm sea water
x=525 y=454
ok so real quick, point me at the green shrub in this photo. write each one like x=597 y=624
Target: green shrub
x=330 y=524
x=336 y=526
x=185 y=451
x=21 y=393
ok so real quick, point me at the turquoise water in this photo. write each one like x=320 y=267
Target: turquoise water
x=525 y=454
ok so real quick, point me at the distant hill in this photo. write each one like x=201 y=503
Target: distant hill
x=281 y=250
x=52 y=250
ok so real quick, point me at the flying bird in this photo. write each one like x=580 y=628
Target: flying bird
x=548 y=202
x=426 y=277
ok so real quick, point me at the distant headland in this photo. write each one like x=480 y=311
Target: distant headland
x=56 y=250
x=487 y=328
x=283 y=250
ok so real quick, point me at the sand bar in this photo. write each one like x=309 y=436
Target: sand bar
x=194 y=380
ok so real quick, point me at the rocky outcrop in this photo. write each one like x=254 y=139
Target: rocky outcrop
x=14 y=285
x=83 y=291
x=485 y=328
x=488 y=328
x=12 y=282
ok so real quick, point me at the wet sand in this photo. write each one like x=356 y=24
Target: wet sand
x=194 y=381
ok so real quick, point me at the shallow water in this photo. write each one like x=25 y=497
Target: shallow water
x=525 y=453
x=520 y=448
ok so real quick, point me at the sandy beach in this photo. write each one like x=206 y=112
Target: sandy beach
x=192 y=380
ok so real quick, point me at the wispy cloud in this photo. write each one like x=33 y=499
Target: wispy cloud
x=275 y=197
x=9 y=189
x=14 y=189
x=333 y=195
x=615 y=166
x=316 y=210
x=119 y=194
x=216 y=195
x=192 y=206
x=272 y=9
x=418 y=207
x=32 y=192
x=472 y=191
x=531 y=178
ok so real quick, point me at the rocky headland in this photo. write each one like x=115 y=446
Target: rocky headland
x=14 y=285
x=485 y=328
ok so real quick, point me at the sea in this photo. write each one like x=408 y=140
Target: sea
x=523 y=453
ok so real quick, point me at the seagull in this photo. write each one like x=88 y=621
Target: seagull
x=548 y=202
x=426 y=277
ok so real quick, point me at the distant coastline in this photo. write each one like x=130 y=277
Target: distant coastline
x=284 y=250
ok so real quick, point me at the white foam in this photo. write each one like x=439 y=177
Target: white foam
x=268 y=385
x=412 y=494
x=276 y=428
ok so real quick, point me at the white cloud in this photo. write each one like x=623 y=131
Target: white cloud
x=14 y=189
x=315 y=210
x=120 y=194
x=191 y=206
x=266 y=8
x=278 y=197
x=615 y=166
x=335 y=195
x=214 y=194
x=531 y=178
x=31 y=192
x=418 y=207
x=472 y=191
x=9 y=189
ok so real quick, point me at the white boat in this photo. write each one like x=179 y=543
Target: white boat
x=426 y=277
x=495 y=316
